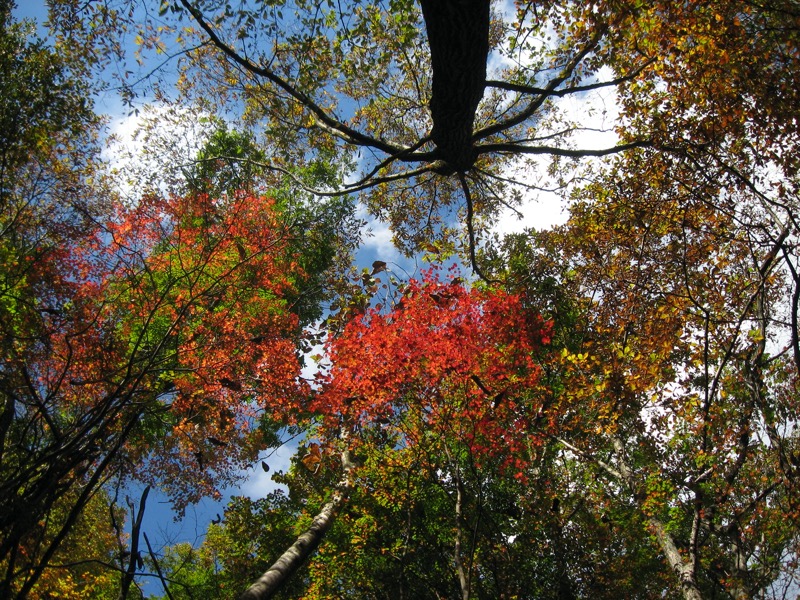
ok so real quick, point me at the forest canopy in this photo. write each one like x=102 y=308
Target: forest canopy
x=606 y=407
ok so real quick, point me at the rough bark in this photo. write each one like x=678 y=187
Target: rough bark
x=458 y=35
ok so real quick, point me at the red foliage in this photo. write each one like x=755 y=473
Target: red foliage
x=446 y=359
x=179 y=317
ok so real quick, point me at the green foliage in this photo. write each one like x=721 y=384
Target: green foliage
x=613 y=416
x=322 y=232
x=44 y=101
x=234 y=550
x=227 y=163
x=85 y=565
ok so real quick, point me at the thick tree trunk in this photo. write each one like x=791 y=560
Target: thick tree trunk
x=458 y=35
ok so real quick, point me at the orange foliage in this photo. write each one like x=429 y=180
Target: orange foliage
x=446 y=359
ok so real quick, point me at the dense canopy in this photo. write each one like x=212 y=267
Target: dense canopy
x=604 y=407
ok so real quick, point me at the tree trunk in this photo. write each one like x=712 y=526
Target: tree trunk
x=683 y=569
x=458 y=35
x=136 y=526
x=294 y=558
x=299 y=552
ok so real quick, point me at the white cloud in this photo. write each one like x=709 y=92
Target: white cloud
x=148 y=150
x=259 y=483
x=377 y=244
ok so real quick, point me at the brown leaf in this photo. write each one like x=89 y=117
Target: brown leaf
x=378 y=266
x=313 y=458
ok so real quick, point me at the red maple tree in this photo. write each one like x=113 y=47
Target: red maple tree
x=447 y=359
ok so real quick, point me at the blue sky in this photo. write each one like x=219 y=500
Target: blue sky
x=30 y=9
x=159 y=518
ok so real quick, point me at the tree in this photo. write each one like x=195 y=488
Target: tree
x=431 y=128
x=86 y=564
x=716 y=188
x=47 y=155
x=458 y=372
x=668 y=393
x=355 y=64
x=116 y=318
x=161 y=328
x=676 y=383
x=172 y=320
x=436 y=505
x=689 y=254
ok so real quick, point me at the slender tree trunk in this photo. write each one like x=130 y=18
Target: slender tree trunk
x=463 y=573
x=296 y=556
x=134 y=557
x=683 y=569
x=302 y=549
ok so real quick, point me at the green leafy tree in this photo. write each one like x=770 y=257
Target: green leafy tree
x=323 y=233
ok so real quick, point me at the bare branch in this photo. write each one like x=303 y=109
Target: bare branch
x=157 y=566
x=528 y=89
x=536 y=103
x=516 y=148
x=471 y=230
x=364 y=184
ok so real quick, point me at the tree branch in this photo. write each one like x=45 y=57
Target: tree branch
x=471 y=230
x=529 y=89
x=363 y=184
x=517 y=148
x=536 y=103
x=127 y=578
x=158 y=567
x=322 y=119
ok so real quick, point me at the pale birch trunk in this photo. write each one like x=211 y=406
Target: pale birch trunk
x=302 y=549
x=296 y=556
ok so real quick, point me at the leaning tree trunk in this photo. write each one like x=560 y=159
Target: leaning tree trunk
x=302 y=549
x=458 y=35
x=296 y=556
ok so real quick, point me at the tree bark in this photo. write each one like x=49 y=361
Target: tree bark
x=463 y=573
x=302 y=549
x=683 y=569
x=136 y=526
x=291 y=560
x=458 y=35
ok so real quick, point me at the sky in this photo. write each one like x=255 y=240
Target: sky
x=30 y=9
x=540 y=210
x=159 y=519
